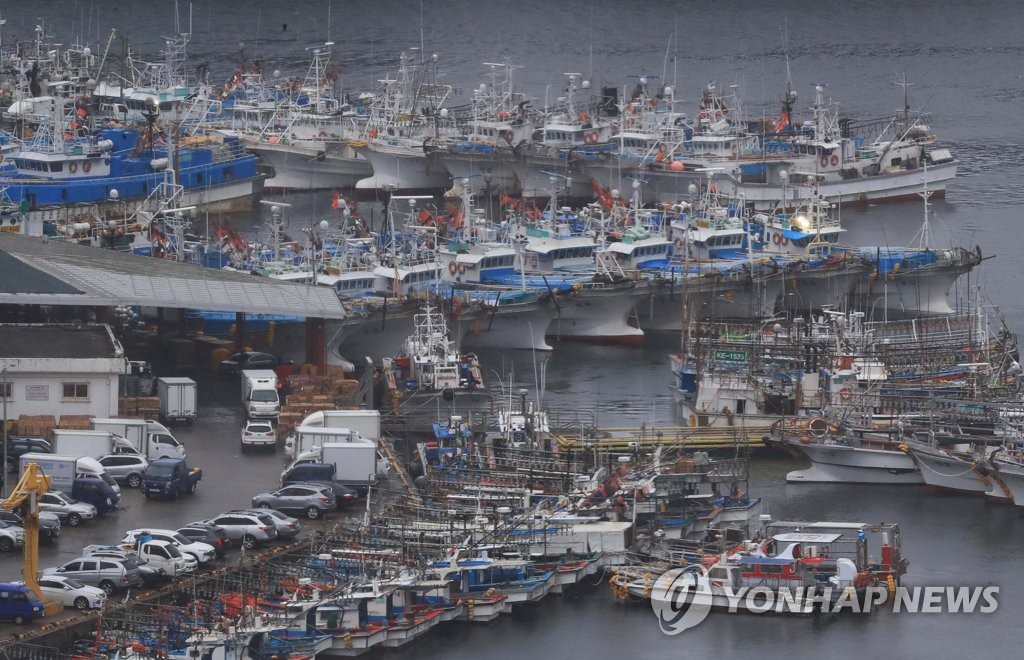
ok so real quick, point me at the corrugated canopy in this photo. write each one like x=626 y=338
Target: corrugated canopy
x=53 y=273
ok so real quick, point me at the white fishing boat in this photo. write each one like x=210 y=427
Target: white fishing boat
x=403 y=119
x=430 y=361
x=853 y=456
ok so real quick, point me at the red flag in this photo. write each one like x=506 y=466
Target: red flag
x=336 y=202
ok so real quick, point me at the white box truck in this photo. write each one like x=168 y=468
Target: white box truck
x=354 y=462
x=93 y=444
x=151 y=439
x=81 y=478
x=311 y=437
x=178 y=398
x=260 y=396
x=364 y=422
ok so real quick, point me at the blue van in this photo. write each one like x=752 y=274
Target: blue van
x=19 y=604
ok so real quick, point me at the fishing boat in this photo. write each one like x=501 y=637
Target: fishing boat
x=305 y=143
x=801 y=568
x=431 y=363
x=402 y=119
x=846 y=162
x=65 y=164
x=851 y=455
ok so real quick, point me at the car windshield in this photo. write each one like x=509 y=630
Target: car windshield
x=160 y=471
x=264 y=396
x=173 y=551
x=109 y=480
x=74 y=584
x=180 y=540
x=130 y=564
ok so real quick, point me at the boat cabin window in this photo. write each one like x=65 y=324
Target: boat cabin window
x=57 y=166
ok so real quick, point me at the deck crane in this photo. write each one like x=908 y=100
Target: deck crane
x=32 y=485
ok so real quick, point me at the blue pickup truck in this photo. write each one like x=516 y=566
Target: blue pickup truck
x=170 y=477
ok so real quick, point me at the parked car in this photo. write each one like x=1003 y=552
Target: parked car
x=67 y=508
x=19 y=604
x=237 y=362
x=71 y=592
x=151 y=575
x=107 y=573
x=320 y=473
x=202 y=552
x=125 y=468
x=11 y=537
x=49 y=523
x=259 y=433
x=287 y=527
x=206 y=533
x=249 y=529
x=24 y=444
x=311 y=500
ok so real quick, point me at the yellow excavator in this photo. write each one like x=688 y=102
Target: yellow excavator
x=32 y=485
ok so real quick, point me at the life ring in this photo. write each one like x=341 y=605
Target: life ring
x=693 y=421
x=824 y=161
x=373 y=133
x=805 y=439
x=845 y=393
x=73 y=167
x=679 y=243
x=323 y=134
x=508 y=136
x=86 y=166
x=779 y=239
x=590 y=137
x=453 y=267
x=834 y=160
x=462 y=269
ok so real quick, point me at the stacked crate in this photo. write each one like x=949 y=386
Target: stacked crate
x=75 y=422
x=310 y=394
x=39 y=426
x=138 y=407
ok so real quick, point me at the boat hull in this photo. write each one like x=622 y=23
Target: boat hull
x=1012 y=476
x=401 y=170
x=517 y=327
x=598 y=315
x=666 y=186
x=306 y=168
x=911 y=293
x=814 y=289
x=843 y=464
x=940 y=470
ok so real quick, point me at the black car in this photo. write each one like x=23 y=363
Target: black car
x=235 y=363
x=24 y=444
x=207 y=533
x=49 y=523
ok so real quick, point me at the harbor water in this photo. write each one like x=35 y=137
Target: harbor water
x=963 y=61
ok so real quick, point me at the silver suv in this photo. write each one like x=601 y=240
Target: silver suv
x=249 y=529
x=311 y=500
x=127 y=468
x=108 y=574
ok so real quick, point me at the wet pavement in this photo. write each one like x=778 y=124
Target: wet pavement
x=230 y=479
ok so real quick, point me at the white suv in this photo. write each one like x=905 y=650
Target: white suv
x=259 y=433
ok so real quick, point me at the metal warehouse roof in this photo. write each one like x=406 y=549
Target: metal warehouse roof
x=38 y=272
